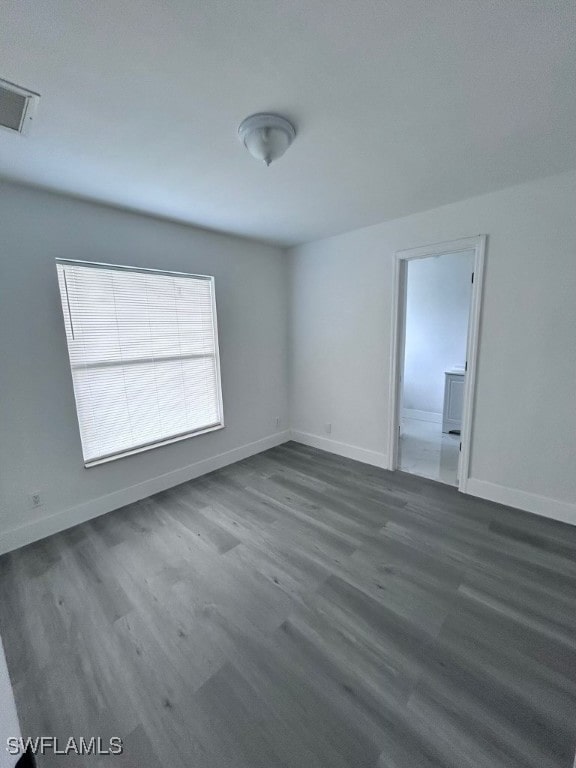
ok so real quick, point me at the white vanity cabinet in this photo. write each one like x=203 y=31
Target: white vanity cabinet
x=453 y=400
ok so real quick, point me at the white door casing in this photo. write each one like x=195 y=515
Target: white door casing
x=401 y=258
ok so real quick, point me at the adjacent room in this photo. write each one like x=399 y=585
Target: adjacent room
x=437 y=303
x=287 y=294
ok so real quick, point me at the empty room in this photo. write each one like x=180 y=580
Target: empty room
x=287 y=384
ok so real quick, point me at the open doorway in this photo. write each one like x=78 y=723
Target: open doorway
x=436 y=319
x=438 y=293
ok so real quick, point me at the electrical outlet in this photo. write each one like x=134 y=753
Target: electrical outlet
x=277 y=422
x=328 y=428
x=35 y=499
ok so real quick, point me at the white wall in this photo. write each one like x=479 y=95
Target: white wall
x=39 y=438
x=437 y=307
x=523 y=443
x=523 y=449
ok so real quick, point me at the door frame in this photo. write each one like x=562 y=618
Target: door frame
x=401 y=259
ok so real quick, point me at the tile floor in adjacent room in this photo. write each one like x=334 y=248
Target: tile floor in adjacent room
x=426 y=451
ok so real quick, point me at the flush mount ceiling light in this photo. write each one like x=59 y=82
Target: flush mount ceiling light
x=266 y=136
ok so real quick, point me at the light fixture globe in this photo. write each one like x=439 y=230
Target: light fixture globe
x=266 y=136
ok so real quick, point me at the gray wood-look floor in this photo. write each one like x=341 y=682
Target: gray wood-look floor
x=300 y=610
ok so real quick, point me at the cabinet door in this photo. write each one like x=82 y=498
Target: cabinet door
x=455 y=398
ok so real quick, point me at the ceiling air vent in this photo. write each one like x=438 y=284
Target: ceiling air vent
x=17 y=106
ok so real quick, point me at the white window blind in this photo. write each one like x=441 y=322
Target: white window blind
x=143 y=348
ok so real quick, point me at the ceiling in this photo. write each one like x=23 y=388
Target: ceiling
x=400 y=105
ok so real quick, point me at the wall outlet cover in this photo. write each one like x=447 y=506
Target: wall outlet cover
x=35 y=499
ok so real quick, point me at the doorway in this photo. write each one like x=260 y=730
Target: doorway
x=436 y=322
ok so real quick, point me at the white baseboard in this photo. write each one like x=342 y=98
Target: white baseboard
x=66 y=518
x=412 y=413
x=39 y=529
x=374 y=458
x=529 y=502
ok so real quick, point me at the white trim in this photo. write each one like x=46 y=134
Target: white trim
x=66 y=518
x=511 y=497
x=478 y=245
x=9 y=723
x=396 y=361
x=441 y=249
x=529 y=502
x=375 y=458
x=472 y=359
x=151 y=446
x=414 y=413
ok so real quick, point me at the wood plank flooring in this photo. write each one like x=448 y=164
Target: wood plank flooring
x=300 y=610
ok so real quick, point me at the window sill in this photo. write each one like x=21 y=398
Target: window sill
x=151 y=446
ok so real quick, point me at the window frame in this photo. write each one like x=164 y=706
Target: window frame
x=175 y=438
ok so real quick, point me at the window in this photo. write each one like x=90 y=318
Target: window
x=143 y=348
